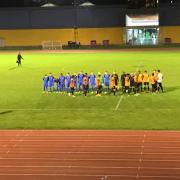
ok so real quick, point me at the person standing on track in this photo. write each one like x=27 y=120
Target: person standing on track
x=19 y=58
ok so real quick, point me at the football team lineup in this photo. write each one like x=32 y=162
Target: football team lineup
x=23 y=105
x=104 y=83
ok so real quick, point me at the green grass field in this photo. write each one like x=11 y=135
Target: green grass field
x=24 y=106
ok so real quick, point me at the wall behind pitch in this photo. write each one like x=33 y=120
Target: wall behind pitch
x=172 y=32
x=114 y=35
x=34 y=37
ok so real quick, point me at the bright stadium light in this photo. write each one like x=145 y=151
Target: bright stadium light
x=142 y=20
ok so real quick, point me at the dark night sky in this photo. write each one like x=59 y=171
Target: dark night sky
x=21 y=3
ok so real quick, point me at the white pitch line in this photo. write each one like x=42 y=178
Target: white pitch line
x=138 y=67
x=119 y=102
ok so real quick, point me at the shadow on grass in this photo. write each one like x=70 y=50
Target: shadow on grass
x=171 y=89
x=5 y=112
x=12 y=68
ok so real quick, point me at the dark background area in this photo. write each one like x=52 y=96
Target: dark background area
x=27 y=14
x=80 y=17
x=128 y=3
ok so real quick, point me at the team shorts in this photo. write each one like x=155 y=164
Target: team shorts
x=146 y=83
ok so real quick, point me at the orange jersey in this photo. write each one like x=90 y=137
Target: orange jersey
x=145 y=77
x=85 y=81
x=127 y=81
x=72 y=83
x=98 y=81
x=153 y=79
x=112 y=82
x=140 y=78
x=136 y=78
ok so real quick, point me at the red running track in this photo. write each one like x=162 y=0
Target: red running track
x=89 y=155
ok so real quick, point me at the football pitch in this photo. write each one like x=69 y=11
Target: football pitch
x=24 y=106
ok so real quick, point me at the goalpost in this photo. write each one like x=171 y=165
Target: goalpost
x=51 y=45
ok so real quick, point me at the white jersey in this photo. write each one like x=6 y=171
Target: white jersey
x=159 y=78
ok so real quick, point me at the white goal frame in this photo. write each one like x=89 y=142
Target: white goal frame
x=51 y=45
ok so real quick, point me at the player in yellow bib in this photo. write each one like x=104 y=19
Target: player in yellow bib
x=146 y=81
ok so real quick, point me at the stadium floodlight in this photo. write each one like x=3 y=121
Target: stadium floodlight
x=142 y=20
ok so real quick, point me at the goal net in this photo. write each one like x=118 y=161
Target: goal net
x=51 y=45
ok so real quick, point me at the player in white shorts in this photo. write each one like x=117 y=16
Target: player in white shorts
x=159 y=80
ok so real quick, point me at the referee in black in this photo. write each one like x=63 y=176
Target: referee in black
x=19 y=58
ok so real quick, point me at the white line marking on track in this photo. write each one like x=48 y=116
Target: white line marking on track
x=88 y=140
x=91 y=175
x=90 y=152
x=82 y=167
x=119 y=102
x=94 y=167
x=105 y=159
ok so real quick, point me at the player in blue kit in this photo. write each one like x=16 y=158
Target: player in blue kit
x=75 y=78
x=57 y=85
x=62 y=82
x=106 y=81
x=68 y=80
x=80 y=80
x=45 y=79
x=92 y=79
x=51 y=82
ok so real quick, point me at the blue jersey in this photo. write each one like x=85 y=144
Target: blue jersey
x=75 y=79
x=80 y=78
x=106 y=78
x=68 y=79
x=61 y=79
x=92 y=79
x=51 y=80
x=45 y=79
